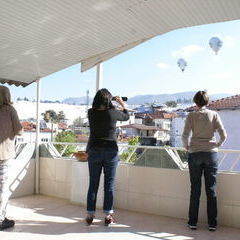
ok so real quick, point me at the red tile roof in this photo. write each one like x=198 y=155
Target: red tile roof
x=31 y=127
x=143 y=127
x=156 y=115
x=163 y=115
x=62 y=125
x=28 y=126
x=232 y=102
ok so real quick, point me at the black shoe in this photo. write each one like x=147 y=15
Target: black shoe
x=192 y=226
x=6 y=223
x=212 y=228
x=89 y=219
x=108 y=220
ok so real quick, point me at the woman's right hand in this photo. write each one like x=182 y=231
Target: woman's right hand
x=120 y=101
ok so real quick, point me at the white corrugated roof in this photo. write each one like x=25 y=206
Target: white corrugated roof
x=40 y=37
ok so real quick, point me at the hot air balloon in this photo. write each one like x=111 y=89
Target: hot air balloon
x=182 y=64
x=215 y=43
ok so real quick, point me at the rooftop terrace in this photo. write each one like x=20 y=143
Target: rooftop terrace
x=41 y=217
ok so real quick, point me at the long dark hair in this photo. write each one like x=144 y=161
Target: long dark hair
x=103 y=98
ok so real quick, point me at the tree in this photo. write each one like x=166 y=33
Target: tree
x=66 y=136
x=171 y=104
x=61 y=116
x=125 y=155
x=50 y=116
x=78 y=122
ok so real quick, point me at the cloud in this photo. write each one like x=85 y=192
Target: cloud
x=229 y=41
x=163 y=65
x=221 y=76
x=187 y=51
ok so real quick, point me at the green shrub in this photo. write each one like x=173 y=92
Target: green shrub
x=124 y=156
x=66 y=136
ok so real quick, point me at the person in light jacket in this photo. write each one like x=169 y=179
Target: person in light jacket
x=202 y=158
x=9 y=128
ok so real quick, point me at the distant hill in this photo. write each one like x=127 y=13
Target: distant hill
x=162 y=98
x=77 y=101
x=142 y=99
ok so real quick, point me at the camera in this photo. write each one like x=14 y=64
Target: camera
x=123 y=98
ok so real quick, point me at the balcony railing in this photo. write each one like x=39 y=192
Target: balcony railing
x=150 y=156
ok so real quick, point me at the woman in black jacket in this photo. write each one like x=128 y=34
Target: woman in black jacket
x=103 y=150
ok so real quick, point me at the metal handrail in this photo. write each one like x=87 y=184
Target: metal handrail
x=171 y=151
x=148 y=147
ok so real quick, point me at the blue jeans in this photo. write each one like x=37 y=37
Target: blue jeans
x=98 y=159
x=199 y=163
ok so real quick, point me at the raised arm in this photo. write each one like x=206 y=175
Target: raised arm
x=122 y=115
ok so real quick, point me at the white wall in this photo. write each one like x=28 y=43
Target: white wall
x=152 y=190
x=130 y=121
x=177 y=130
x=163 y=123
x=30 y=137
x=55 y=177
x=231 y=122
x=138 y=121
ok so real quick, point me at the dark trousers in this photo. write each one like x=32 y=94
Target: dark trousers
x=98 y=159
x=199 y=163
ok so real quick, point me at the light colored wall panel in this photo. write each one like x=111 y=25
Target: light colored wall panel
x=152 y=190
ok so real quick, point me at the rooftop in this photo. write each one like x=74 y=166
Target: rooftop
x=232 y=102
x=227 y=103
x=143 y=127
x=41 y=217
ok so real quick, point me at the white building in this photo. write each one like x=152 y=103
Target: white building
x=229 y=111
x=30 y=136
x=177 y=129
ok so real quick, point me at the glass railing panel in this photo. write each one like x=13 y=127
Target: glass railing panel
x=146 y=156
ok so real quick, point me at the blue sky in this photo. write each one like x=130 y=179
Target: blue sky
x=151 y=68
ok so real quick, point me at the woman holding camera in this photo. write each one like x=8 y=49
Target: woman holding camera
x=203 y=147
x=103 y=150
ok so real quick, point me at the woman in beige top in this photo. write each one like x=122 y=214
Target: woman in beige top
x=9 y=128
x=202 y=148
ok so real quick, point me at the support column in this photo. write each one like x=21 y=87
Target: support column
x=37 y=163
x=99 y=77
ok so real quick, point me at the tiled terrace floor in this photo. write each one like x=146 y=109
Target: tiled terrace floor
x=40 y=218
